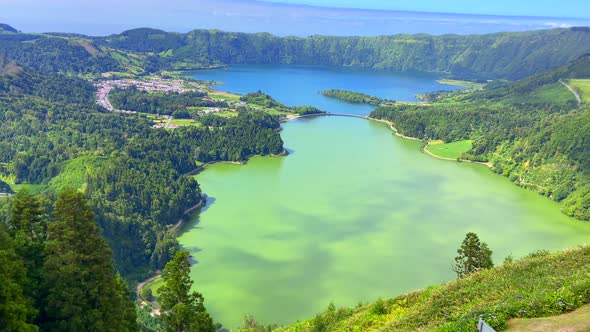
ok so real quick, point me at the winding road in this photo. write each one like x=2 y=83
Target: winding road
x=174 y=228
x=573 y=91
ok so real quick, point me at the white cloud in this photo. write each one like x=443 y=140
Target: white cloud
x=557 y=25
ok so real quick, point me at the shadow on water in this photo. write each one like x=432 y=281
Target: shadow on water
x=289 y=151
x=309 y=118
x=194 y=223
x=194 y=218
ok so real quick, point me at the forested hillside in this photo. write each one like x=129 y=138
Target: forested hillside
x=510 y=55
x=531 y=130
x=50 y=123
x=57 y=272
x=491 y=56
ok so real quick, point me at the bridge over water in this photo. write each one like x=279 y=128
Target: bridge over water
x=333 y=114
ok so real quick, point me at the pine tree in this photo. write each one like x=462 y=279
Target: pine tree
x=128 y=313
x=474 y=256
x=16 y=310
x=26 y=217
x=182 y=310
x=78 y=274
x=28 y=227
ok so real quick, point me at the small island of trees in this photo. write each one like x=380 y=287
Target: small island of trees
x=354 y=97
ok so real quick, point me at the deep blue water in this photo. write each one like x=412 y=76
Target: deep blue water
x=301 y=85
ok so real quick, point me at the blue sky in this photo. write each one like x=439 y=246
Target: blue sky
x=550 y=8
x=293 y=17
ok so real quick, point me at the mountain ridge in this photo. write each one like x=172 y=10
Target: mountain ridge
x=504 y=55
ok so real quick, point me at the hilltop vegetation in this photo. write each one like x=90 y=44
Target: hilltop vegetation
x=531 y=130
x=539 y=285
x=353 y=97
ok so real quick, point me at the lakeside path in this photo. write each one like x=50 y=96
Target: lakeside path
x=174 y=228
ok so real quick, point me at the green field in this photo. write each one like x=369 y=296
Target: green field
x=452 y=150
x=583 y=88
x=154 y=285
x=184 y=122
x=555 y=93
x=218 y=95
x=73 y=173
x=31 y=188
x=226 y=114
x=466 y=84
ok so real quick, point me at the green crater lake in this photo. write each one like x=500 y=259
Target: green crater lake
x=353 y=213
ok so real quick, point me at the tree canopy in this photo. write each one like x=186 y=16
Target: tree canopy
x=182 y=310
x=473 y=256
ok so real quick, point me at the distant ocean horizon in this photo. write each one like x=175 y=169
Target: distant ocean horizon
x=277 y=19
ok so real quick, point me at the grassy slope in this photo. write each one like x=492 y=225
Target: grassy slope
x=540 y=285
x=583 y=88
x=555 y=93
x=465 y=84
x=452 y=150
x=185 y=122
x=154 y=285
x=74 y=173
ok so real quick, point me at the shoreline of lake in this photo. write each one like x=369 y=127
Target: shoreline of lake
x=315 y=220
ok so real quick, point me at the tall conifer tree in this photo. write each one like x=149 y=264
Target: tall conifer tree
x=181 y=309
x=16 y=310
x=82 y=290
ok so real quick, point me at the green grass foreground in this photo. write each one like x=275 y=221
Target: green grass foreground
x=539 y=285
x=452 y=150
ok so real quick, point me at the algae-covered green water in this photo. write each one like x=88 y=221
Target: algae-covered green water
x=353 y=213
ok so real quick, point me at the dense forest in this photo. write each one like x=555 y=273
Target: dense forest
x=133 y=178
x=50 y=122
x=57 y=272
x=531 y=130
x=510 y=55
